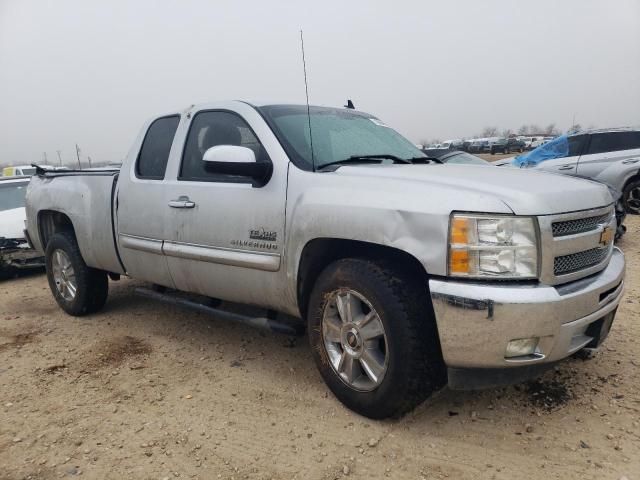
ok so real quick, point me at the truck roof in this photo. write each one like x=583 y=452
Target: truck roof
x=253 y=103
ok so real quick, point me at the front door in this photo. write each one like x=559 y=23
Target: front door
x=225 y=236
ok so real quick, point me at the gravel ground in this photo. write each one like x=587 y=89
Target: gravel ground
x=148 y=391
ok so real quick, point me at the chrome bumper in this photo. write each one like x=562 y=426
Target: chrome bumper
x=477 y=320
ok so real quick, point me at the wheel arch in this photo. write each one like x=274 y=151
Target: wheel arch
x=632 y=178
x=51 y=222
x=320 y=252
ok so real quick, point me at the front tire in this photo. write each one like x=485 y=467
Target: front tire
x=77 y=288
x=631 y=197
x=374 y=338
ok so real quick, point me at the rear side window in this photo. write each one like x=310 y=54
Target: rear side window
x=614 y=141
x=154 y=153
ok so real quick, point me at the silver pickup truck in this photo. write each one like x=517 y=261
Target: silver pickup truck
x=410 y=274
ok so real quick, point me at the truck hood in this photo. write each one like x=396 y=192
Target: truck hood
x=524 y=191
x=12 y=223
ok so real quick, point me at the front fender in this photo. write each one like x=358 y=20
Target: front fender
x=409 y=216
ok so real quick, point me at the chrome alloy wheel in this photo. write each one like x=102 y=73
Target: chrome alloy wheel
x=355 y=340
x=64 y=275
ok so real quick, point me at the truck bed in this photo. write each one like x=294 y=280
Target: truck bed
x=86 y=197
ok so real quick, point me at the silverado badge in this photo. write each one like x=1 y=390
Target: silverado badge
x=606 y=236
x=262 y=234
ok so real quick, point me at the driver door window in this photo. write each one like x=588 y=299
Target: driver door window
x=212 y=128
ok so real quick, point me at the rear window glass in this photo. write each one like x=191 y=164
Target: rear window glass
x=614 y=141
x=154 y=153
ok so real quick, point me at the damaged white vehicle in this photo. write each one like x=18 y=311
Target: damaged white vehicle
x=15 y=251
x=410 y=273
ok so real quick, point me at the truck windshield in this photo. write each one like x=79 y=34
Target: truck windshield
x=337 y=134
x=12 y=195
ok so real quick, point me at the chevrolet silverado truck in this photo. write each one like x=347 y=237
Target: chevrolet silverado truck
x=410 y=274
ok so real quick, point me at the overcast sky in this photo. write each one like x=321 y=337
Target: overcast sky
x=92 y=71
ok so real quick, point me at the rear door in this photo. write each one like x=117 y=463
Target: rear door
x=141 y=205
x=228 y=242
x=608 y=148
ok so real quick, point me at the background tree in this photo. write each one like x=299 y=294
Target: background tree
x=523 y=130
x=551 y=130
x=506 y=133
x=574 y=128
x=490 y=132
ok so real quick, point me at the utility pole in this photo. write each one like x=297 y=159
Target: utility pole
x=59 y=157
x=89 y=158
x=44 y=155
x=78 y=155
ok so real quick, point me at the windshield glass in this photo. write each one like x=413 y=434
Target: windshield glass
x=12 y=195
x=28 y=171
x=337 y=134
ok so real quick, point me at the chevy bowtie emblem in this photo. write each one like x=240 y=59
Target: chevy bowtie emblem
x=606 y=236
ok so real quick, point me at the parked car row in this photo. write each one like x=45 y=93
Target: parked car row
x=493 y=145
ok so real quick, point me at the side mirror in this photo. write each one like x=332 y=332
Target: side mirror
x=236 y=160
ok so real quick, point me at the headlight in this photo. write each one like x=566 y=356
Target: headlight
x=503 y=247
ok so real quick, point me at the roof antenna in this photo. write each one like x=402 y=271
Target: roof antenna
x=306 y=88
x=350 y=105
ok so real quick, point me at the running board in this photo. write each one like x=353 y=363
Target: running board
x=262 y=323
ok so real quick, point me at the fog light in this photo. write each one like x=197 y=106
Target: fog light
x=521 y=347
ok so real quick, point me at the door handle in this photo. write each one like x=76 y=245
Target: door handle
x=182 y=202
x=631 y=160
x=566 y=167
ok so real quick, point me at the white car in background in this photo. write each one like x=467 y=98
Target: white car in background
x=15 y=251
x=19 y=171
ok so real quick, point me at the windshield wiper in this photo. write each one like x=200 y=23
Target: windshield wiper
x=424 y=159
x=363 y=159
x=383 y=156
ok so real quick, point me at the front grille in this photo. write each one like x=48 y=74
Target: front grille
x=579 y=261
x=581 y=225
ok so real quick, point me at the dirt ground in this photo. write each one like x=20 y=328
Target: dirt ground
x=149 y=391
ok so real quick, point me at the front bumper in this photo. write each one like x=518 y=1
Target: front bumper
x=477 y=320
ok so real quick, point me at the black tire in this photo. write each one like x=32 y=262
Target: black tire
x=92 y=285
x=630 y=197
x=415 y=367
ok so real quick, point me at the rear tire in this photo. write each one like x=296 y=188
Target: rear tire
x=77 y=288
x=384 y=358
x=631 y=197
